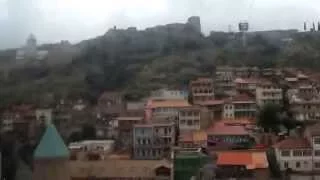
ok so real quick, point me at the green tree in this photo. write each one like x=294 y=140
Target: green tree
x=88 y=132
x=270 y=117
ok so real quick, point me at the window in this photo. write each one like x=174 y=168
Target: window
x=286 y=164
x=182 y=121
x=285 y=153
x=317 y=152
x=307 y=153
x=317 y=164
x=316 y=140
x=298 y=164
x=297 y=153
x=196 y=122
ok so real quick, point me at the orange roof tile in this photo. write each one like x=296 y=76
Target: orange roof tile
x=292 y=143
x=250 y=159
x=167 y=103
x=234 y=158
x=194 y=136
x=199 y=136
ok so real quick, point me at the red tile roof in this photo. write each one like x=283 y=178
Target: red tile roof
x=211 y=102
x=250 y=159
x=220 y=128
x=292 y=143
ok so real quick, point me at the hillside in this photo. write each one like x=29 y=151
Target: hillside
x=135 y=62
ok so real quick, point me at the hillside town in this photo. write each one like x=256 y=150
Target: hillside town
x=244 y=122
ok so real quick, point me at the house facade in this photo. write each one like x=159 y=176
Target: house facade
x=224 y=78
x=305 y=110
x=153 y=141
x=169 y=94
x=239 y=107
x=194 y=118
x=268 y=93
x=228 y=136
x=300 y=154
x=202 y=89
x=164 y=108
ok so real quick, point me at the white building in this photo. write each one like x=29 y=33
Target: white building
x=268 y=93
x=92 y=145
x=300 y=154
x=30 y=50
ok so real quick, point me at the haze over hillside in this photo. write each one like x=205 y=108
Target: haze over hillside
x=135 y=62
x=54 y=20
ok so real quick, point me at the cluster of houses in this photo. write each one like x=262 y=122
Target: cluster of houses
x=210 y=129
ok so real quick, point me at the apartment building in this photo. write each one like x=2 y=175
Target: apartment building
x=300 y=154
x=224 y=80
x=228 y=136
x=268 y=93
x=246 y=85
x=164 y=108
x=110 y=103
x=194 y=118
x=125 y=128
x=215 y=108
x=153 y=141
x=239 y=107
x=202 y=89
x=169 y=94
x=306 y=110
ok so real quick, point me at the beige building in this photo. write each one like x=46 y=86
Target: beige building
x=246 y=85
x=239 y=107
x=194 y=118
x=164 y=108
x=202 y=89
x=225 y=80
x=267 y=92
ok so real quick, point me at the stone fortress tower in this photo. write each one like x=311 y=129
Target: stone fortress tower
x=51 y=157
x=194 y=21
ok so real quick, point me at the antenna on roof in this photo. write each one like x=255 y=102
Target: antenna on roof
x=305 y=26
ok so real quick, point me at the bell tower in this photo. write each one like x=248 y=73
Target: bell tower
x=51 y=157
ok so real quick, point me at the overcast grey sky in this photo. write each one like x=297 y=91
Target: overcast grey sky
x=75 y=20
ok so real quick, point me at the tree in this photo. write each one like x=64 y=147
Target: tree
x=75 y=136
x=269 y=117
x=88 y=132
